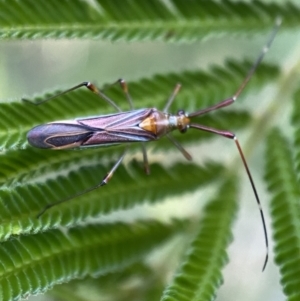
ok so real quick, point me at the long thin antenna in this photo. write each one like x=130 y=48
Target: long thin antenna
x=257 y=200
x=231 y=100
x=227 y=134
x=230 y=135
x=259 y=59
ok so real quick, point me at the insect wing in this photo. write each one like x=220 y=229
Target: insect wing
x=100 y=130
x=58 y=135
x=118 y=128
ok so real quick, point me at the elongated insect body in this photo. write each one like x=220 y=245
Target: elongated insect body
x=141 y=125
x=134 y=126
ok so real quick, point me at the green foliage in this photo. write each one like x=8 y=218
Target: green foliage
x=21 y=204
x=73 y=242
x=283 y=182
x=136 y=20
x=284 y=185
x=199 y=275
x=45 y=259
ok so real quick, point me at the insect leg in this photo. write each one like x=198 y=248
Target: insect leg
x=145 y=160
x=230 y=135
x=109 y=175
x=105 y=180
x=125 y=89
x=88 y=85
x=172 y=97
x=179 y=146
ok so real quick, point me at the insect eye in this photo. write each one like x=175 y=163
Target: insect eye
x=184 y=129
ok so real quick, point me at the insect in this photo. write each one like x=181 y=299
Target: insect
x=142 y=125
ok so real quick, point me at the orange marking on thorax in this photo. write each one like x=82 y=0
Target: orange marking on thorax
x=149 y=124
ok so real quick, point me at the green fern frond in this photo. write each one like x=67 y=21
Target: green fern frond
x=20 y=206
x=37 y=262
x=136 y=20
x=284 y=186
x=200 y=275
x=296 y=124
x=105 y=285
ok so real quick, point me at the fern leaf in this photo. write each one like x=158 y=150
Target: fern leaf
x=296 y=124
x=136 y=20
x=33 y=264
x=144 y=286
x=285 y=211
x=200 y=273
x=20 y=206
